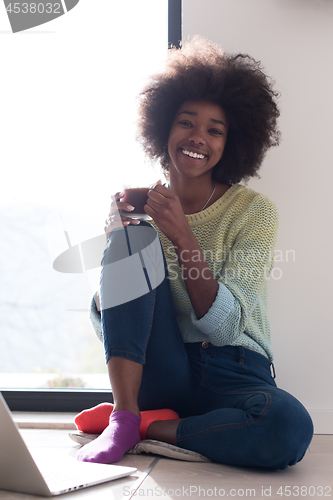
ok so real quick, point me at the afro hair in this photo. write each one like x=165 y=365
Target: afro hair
x=201 y=70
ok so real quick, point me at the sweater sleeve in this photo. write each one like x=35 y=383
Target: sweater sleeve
x=95 y=318
x=243 y=277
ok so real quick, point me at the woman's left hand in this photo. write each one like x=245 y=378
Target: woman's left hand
x=164 y=207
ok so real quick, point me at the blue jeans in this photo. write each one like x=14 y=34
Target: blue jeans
x=232 y=410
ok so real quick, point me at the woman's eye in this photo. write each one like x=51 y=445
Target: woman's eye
x=217 y=132
x=187 y=124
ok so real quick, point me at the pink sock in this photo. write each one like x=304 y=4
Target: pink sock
x=121 y=435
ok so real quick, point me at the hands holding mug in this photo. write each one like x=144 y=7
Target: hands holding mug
x=127 y=208
x=158 y=202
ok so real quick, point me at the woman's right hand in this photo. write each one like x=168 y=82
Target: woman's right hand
x=116 y=220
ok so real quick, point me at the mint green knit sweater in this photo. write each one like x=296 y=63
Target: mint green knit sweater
x=237 y=235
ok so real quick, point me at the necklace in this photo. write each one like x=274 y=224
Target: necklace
x=211 y=196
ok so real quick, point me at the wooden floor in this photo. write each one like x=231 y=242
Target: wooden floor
x=165 y=478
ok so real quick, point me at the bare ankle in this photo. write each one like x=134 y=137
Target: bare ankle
x=128 y=407
x=163 y=430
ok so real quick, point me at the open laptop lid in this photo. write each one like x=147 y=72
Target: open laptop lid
x=19 y=472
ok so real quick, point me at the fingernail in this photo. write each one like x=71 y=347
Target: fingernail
x=126 y=223
x=121 y=195
x=136 y=221
x=129 y=207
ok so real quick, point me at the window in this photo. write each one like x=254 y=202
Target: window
x=68 y=143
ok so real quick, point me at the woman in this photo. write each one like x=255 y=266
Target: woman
x=199 y=342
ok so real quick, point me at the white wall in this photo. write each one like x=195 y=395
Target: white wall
x=294 y=40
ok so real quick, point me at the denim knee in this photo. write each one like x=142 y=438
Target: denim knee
x=132 y=265
x=293 y=430
x=128 y=240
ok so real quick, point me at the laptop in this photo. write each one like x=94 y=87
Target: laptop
x=19 y=471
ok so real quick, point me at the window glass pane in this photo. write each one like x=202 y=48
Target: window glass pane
x=67 y=126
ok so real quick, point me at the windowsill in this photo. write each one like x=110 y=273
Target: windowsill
x=44 y=420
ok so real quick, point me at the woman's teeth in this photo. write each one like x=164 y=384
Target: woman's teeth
x=193 y=155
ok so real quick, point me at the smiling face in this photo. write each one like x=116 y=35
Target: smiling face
x=197 y=138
